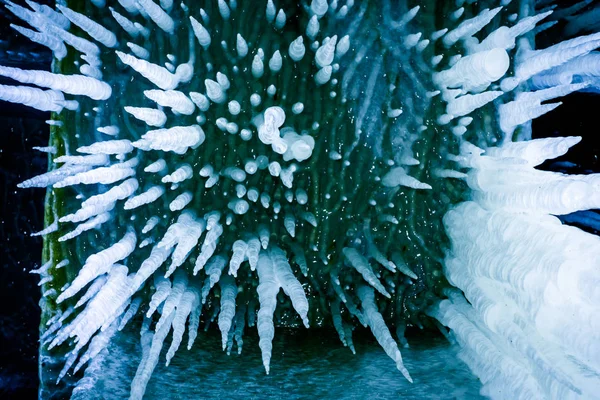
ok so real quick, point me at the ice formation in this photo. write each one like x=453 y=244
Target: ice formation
x=216 y=166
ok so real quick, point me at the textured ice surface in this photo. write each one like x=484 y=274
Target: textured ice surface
x=307 y=366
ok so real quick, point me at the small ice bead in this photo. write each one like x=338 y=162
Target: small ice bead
x=265 y=199
x=214 y=91
x=255 y=99
x=289 y=196
x=297 y=108
x=232 y=128
x=111 y=130
x=139 y=51
x=280 y=19
x=221 y=123
x=324 y=75
x=313 y=27
x=342 y=47
x=234 y=107
x=253 y=195
x=274 y=168
x=239 y=206
x=258 y=68
x=240 y=190
x=319 y=7
x=275 y=62
x=223 y=80
x=262 y=162
x=270 y=11
x=297 y=49
x=241 y=46
x=394 y=113
x=200 y=32
x=224 y=9
x=251 y=167
x=246 y=134
x=200 y=100
x=301 y=196
x=271 y=90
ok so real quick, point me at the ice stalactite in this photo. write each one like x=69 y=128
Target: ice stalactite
x=317 y=157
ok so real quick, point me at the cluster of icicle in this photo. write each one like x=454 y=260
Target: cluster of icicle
x=530 y=327
x=107 y=290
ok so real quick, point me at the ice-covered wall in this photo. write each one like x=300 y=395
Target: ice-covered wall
x=267 y=164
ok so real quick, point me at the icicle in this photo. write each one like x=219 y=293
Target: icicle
x=107 y=147
x=150 y=116
x=181 y=174
x=267 y=290
x=360 y=263
x=228 y=293
x=133 y=308
x=156 y=74
x=174 y=99
x=398 y=177
x=528 y=106
x=475 y=72
x=158 y=15
x=214 y=91
x=297 y=49
x=337 y=319
x=264 y=235
x=280 y=20
x=208 y=246
x=239 y=249
x=270 y=11
x=71 y=84
x=177 y=139
x=189 y=299
x=201 y=33
x=104 y=175
x=94 y=29
x=125 y=23
x=224 y=9
x=214 y=269
x=100 y=263
x=257 y=66
x=44 y=100
x=194 y=321
x=147 y=197
x=470 y=27
x=402 y=266
x=91 y=224
x=92 y=290
x=379 y=329
x=58 y=48
x=142 y=376
x=53 y=227
x=325 y=53
x=464 y=105
x=290 y=225
x=275 y=62
x=181 y=201
x=290 y=285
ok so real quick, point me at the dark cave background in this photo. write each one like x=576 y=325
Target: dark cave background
x=21 y=211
